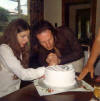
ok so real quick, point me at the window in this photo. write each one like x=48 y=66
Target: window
x=12 y=9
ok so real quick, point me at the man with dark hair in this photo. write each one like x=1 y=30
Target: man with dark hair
x=52 y=46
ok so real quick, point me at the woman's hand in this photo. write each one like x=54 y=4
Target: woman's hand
x=91 y=70
x=86 y=69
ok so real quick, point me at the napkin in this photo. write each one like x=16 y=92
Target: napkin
x=42 y=90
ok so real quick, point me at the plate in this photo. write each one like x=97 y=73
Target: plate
x=43 y=85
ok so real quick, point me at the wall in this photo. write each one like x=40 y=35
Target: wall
x=72 y=15
x=53 y=11
x=56 y=15
x=97 y=16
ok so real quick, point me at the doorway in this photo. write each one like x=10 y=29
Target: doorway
x=83 y=25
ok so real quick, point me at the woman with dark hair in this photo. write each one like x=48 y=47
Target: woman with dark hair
x=14 y=56
x=53 y=46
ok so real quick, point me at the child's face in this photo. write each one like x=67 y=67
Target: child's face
x=23 y=38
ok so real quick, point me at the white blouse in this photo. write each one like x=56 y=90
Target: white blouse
x=10 y=65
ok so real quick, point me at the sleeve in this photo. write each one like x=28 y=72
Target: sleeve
x=14 y=65
x=76 y=50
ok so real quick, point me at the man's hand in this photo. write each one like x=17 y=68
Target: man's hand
x=52 y=59
x=86 y=69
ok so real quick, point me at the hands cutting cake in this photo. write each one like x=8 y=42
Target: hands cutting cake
x=52 y=59
x=87 y=69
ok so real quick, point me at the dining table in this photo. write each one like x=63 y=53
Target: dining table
x=29 y=93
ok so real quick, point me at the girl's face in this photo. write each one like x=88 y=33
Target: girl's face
x=23 y=38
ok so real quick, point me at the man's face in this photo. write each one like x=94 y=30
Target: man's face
x=46 y=39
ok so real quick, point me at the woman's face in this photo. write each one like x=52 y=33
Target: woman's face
x=23 y=38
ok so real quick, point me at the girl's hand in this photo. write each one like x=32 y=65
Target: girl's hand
x=15 y=77
x=42 y=77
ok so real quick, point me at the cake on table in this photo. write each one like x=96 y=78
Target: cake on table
x=60 y=76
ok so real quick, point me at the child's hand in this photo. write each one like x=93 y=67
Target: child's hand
x=42 y=77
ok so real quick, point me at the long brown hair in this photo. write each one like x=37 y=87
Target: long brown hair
x=10 y=38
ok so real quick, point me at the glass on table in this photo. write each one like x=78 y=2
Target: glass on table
x=97 y=89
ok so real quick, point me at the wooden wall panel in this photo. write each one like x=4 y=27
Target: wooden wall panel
x=36 y=10
x=92 y=13
x=70 y=1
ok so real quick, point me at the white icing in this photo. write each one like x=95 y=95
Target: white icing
x=60 y=76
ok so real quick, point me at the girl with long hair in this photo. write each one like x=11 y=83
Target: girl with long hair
x=14 y=56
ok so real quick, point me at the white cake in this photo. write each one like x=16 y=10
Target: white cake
x=59 y=76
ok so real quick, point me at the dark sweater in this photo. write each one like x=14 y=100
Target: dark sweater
x=65 y=42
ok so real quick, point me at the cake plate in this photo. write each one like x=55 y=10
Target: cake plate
x=43 y=85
